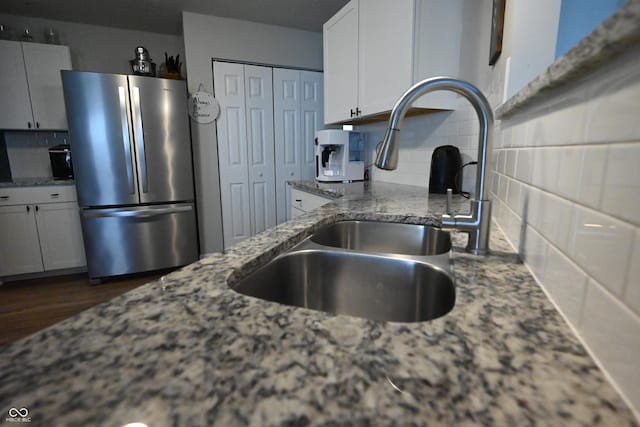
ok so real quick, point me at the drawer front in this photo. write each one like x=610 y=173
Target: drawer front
x=306 y=201
x=42 y=194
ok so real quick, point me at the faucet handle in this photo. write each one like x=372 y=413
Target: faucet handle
x=449 y=201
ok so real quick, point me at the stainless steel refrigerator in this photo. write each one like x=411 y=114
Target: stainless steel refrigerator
x=131 y=155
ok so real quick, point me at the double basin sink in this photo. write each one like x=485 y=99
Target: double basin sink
x=376 y=270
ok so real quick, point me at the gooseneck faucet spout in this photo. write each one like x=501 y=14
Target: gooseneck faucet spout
x=477 y=222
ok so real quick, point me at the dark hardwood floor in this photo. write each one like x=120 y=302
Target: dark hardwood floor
x=27 y=306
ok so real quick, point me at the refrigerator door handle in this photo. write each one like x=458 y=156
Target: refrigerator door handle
x=126 y=137
x=142 y=159
x=147 y=212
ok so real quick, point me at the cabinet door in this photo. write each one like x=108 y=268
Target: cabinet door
x=312 y=120
x=385 y=55
x=340 y=47
x=43 y=63
x=15 y=107
x=286 y=112
x=228 y=82
x=19 y=246
x=262 y=172
x=60 y=235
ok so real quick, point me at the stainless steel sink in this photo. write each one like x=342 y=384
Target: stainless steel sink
x=384 y=237
x=379 y=287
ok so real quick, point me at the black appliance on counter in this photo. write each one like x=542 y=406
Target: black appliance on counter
x=60 y=157
x=446 y=170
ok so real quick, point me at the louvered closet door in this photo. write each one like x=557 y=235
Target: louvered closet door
x=286 y=111
x=228 y=80
x=312 y=107
x=260 y=144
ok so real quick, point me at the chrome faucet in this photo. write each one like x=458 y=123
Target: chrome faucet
x=477 y=223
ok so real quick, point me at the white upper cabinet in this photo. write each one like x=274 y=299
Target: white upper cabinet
x=31 y=85
x=384 y=53
x=374 y=50
x=340 y=49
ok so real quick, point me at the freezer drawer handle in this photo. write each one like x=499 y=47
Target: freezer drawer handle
x=142 y=158
x=148 y=213
x=126 y=139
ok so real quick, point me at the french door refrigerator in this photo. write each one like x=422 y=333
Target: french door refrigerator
x=131 y=155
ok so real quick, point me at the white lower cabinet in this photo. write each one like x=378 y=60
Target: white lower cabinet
x=19 y=245
x=42 y=233
x=303 y=202
x=60 y=235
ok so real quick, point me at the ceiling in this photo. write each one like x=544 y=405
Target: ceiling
x=164 y=16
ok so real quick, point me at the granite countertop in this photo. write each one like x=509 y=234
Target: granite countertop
x=188 y=350
x=31 y=182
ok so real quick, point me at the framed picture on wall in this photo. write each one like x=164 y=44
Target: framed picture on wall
x=497 y=26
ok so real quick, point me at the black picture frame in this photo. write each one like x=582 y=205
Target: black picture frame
x=497 y=28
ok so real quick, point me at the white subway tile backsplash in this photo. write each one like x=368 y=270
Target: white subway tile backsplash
x=502 y=160
x=612 y=332
x=510 y=166
x=513 y=196
x=524 y=163
x=519 y=134
x=546 y=163
x=601 y=246
x=621 y=195
x=568 y=171
x=535 y=253
x=503 y=187
x=578 y=193
x=562 y=121
x=566 y=283
x=512 y=227
x=506 y=136
x=632 y=290
x=614 y=105
x=591 y=179
x=531 y=206
x=554 y=217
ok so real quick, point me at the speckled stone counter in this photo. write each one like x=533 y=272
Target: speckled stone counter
x=31 y=182
x=187 y=350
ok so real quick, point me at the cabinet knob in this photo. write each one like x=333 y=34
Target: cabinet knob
x=358 y=111
x=290 y=173
x=4 y=197
x=38 y=125
x=55 y=195
x=28 y=208
x=353 y=113
x=260 y=174
x=29 y=125
x=37 y=208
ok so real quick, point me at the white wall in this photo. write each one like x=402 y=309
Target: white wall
x=98 y=48
x=534 y=27
x=208 y=37
x=567 y=194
